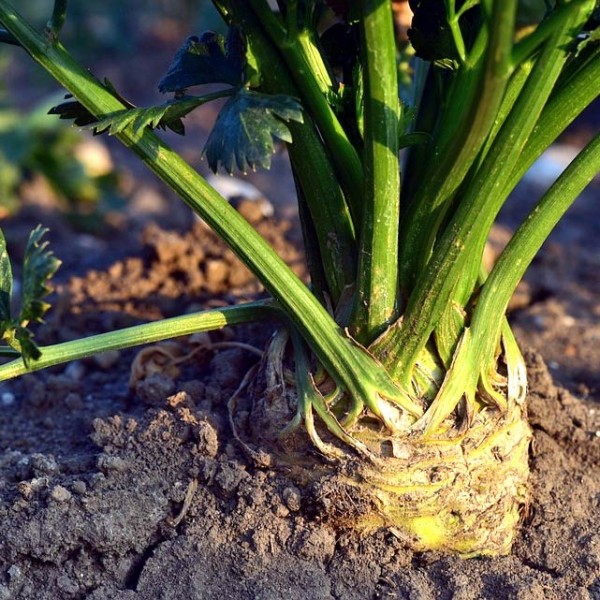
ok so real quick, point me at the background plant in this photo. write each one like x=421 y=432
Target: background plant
x=31 y=145
x=400 y=314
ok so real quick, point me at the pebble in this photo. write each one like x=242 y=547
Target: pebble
x=25 y=489
x=108 y=359
x=208 y=439
x=7 y=399
x=97 y=480
x=232 y=187
x=60 y=494
x=292 y=498
x=180 y=399
x=111 y=463
x=14 y=573
x=155 y=389
x=28 y=488
x=79 y=487
x=75 y=371
x=73 y=401
x=41 y=464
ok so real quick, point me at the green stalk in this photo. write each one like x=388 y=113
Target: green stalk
x=353 y=368
x=311 y=161
x=524 y=245
x=512 y=93
x=462 y=242
x=475 y=357
x=314 y=260
x=563 y=107
x=148 y=333
x=453 y=21
x=377 y=287
x=328 y=209
x=479 y=87
x=532 y=42
x=302 y=61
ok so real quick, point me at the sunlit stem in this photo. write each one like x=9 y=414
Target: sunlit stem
x=137 y=335
x=377 y=288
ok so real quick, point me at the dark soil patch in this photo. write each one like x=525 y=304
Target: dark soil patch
x=108 y=492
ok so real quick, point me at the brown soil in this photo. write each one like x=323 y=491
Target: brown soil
x=108 y=492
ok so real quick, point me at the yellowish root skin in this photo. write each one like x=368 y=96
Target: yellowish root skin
x=465 y=495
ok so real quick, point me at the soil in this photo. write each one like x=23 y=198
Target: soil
x=109 y=491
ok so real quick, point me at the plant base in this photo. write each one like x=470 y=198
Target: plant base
x=463 y=494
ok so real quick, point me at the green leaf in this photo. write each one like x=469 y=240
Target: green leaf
x=246 y=130
x=6 y=281
x=431 y=35
x=73 y=109
x=163 y=116
x=209 y=58
x=38 y=267
x=28 y=348
x=591 y=39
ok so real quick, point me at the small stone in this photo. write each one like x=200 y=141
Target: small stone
x=155 y=389
x=36 y=394
x=208 y=440
x=111 y=463
x=73 y=401
x=292 y=498
x=97 y=480
x=180 y=399
x=281 y=511
x=7 y=399
x=228 y=478
x=14 y=573
x=108 y=359
x=75 y=371
x=216 y=272
x=25 y=489
x=254 y=211
x=79 y=487
x=67 y=585
x=194 y=388
x=60 y=494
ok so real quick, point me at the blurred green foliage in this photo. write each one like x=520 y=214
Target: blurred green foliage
x=35 y=143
